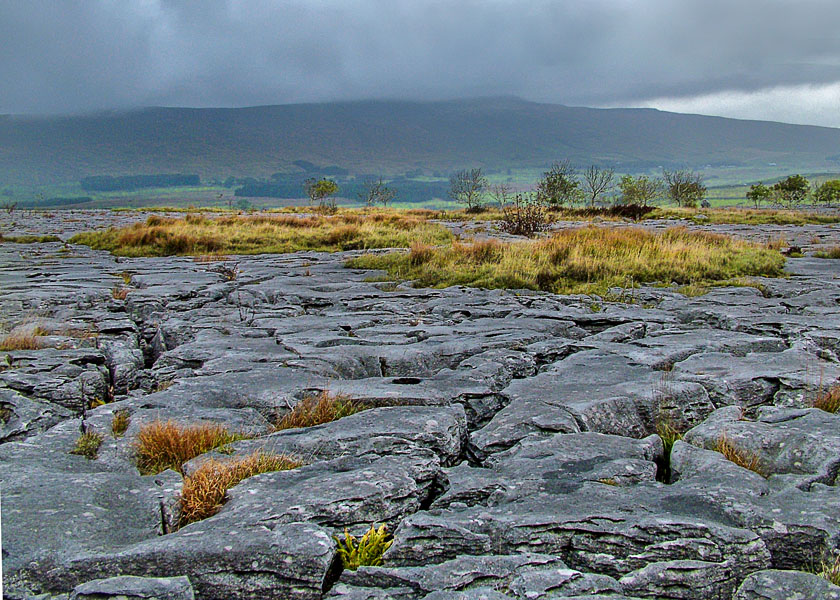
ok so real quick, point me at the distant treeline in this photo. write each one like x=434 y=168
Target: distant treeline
x=108 y=183
x=291 y=186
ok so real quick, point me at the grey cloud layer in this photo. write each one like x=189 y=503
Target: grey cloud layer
x=88 y=54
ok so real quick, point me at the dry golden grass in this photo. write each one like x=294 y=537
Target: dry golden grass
x=119 y=293
x=165 y=445
x=319 y=409
x=583 y=260
x=198 y=235
x=744 y=216
x=21 y=340
x=210 y=258
x=828 y=400
x=742 y=458
x=204 y=492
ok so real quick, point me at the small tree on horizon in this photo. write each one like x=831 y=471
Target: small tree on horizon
x=501 y=193
x=641 y=191
x=321 y=191
x=376 y=192
x=559 y=185
x=828 y=193
x=791 y=191
x=758 y=193
x=685 y=188
x=597 y=182
x=467 y=187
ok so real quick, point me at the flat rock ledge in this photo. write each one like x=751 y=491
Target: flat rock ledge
x=510 y=444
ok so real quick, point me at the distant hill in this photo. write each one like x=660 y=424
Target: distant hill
x=392 y=137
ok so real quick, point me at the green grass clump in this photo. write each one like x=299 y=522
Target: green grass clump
x=87 y=445
x=28 y=239
x=583 y=261
x=196 y=234
x=830 y=570
x=833 y=252
x=366 y=551
x=119 y=423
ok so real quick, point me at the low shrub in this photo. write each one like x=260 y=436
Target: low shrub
x=165 y=445
x=87 y=445
x=204 y=492
x=742 y=458
x=366 y=551
x=319 y=409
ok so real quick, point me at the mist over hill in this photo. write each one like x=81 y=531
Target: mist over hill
x=393 y=137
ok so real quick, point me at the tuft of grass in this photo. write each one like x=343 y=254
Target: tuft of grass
x=828 y=400
x=742 y=458
x=87 y=444
x=588 y=260
x=830 y=570
x=204 y=492
x=20 y=340
x=319 y=409
x=119 y=423
x=366 y=551
x=5 y=415
x=119 y=293
x=199 y=235
x=165 y=445
x=833 y=252
x=28 y=239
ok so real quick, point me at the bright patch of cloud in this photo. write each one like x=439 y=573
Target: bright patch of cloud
x=801 y=104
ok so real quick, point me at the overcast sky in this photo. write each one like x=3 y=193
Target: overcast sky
x=763 y=59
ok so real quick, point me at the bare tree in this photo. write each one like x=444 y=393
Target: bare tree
x=376 y=192
x=501 y=193
x=468 y=187
x=597 y=182
x=685 y=188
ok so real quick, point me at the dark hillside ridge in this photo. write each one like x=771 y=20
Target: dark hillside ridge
x=391 y=137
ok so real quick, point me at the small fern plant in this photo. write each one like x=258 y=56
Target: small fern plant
x=366 y=551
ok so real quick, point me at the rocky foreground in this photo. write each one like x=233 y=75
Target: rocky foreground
x=511 y=450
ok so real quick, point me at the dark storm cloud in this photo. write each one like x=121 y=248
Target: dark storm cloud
x=76 y=56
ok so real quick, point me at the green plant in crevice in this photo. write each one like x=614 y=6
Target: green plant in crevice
x=87 y=444
x=366 y=551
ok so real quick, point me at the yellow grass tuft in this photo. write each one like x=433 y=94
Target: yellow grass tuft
x=828 y=400
x=204 y=492
x=584 y=260
x=165 y=445
x=21 y=340
x=200 y=236
x=742 y=458
x=319 y=409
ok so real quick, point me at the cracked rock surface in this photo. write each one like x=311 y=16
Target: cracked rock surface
x=510 y=444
